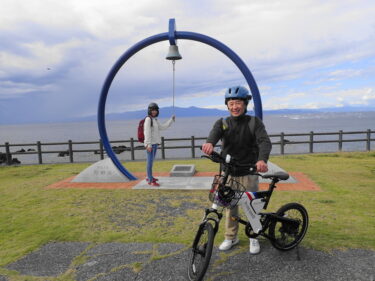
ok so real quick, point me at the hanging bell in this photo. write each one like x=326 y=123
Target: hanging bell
x=173 y=53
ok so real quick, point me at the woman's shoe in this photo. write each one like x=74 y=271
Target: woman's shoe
x=153 y=179
x=153 y=183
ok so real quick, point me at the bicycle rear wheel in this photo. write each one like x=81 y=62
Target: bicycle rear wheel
x=287 y=235
x=201 y=252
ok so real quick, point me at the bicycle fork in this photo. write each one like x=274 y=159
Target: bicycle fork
x=206 y=218
x=213 y=218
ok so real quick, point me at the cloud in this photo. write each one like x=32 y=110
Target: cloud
x=11 y=90
x=38 y=57
x=331 y=98
x=362 y=96
x=60 y=52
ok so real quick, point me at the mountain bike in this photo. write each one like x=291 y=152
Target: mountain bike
x=285 y=229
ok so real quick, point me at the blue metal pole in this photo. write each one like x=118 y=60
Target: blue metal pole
x=172 y=32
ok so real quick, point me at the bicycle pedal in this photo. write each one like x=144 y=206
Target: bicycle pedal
x=235 y=218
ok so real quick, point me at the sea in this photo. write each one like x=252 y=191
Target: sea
x=119 y=132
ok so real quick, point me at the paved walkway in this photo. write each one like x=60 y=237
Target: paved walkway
x=200 y=181
x=163 y=262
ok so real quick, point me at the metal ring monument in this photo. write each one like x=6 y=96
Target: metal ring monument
x=172 y=36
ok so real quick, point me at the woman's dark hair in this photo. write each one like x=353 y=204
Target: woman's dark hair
x=153 y=106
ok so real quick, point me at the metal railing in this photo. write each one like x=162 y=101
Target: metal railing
x=281 y=141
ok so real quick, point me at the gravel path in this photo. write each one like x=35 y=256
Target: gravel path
x=165 y=261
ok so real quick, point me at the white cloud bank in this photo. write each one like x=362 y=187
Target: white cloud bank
x=301 y=53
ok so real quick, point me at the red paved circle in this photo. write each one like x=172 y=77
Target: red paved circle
x=303 y=182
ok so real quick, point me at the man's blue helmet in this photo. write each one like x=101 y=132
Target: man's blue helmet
x=237 y=93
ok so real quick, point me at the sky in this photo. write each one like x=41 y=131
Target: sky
x=56 y=55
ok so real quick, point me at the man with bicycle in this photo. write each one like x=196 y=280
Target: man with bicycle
x=244 y=137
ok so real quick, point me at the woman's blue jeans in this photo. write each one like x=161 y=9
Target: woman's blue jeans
x=150 y=161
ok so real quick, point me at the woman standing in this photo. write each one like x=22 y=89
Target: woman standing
x=152 y=129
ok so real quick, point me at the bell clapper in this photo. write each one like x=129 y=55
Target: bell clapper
x=173 y=63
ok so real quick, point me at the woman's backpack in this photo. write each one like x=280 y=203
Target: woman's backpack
x=141 y=134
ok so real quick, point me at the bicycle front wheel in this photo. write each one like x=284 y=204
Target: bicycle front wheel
x=288 y=234
x=201 y=252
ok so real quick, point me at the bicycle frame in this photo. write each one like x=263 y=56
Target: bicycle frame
x=251 y=203
x=251 y=208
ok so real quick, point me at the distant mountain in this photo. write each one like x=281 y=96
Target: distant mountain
x=193 y=111
x=165 y=112
x=321 y=110
x=168 y=111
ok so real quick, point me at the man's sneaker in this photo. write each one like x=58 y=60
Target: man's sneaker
x=227 y=244
x=254 y=246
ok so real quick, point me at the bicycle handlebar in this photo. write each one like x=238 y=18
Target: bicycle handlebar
x=215 y=157
x=229 y=161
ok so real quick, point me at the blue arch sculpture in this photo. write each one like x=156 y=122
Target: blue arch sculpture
x=172 y=36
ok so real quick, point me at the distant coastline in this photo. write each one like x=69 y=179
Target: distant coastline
x=166 y=112
x=192 y=111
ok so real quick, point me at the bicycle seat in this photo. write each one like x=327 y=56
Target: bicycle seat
x=279 y=175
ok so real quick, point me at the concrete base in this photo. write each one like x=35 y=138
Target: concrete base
x=101 y=171
x=182 y=171
x=178 y=183
x=201 y=183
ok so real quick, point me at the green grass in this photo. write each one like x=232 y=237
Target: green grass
x=341 y=214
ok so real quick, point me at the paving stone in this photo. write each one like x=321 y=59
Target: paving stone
x=52 y=259
x=119 y=275
x=272 y=264
x=173 y=268
x=169 y=248
x=105 y=258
